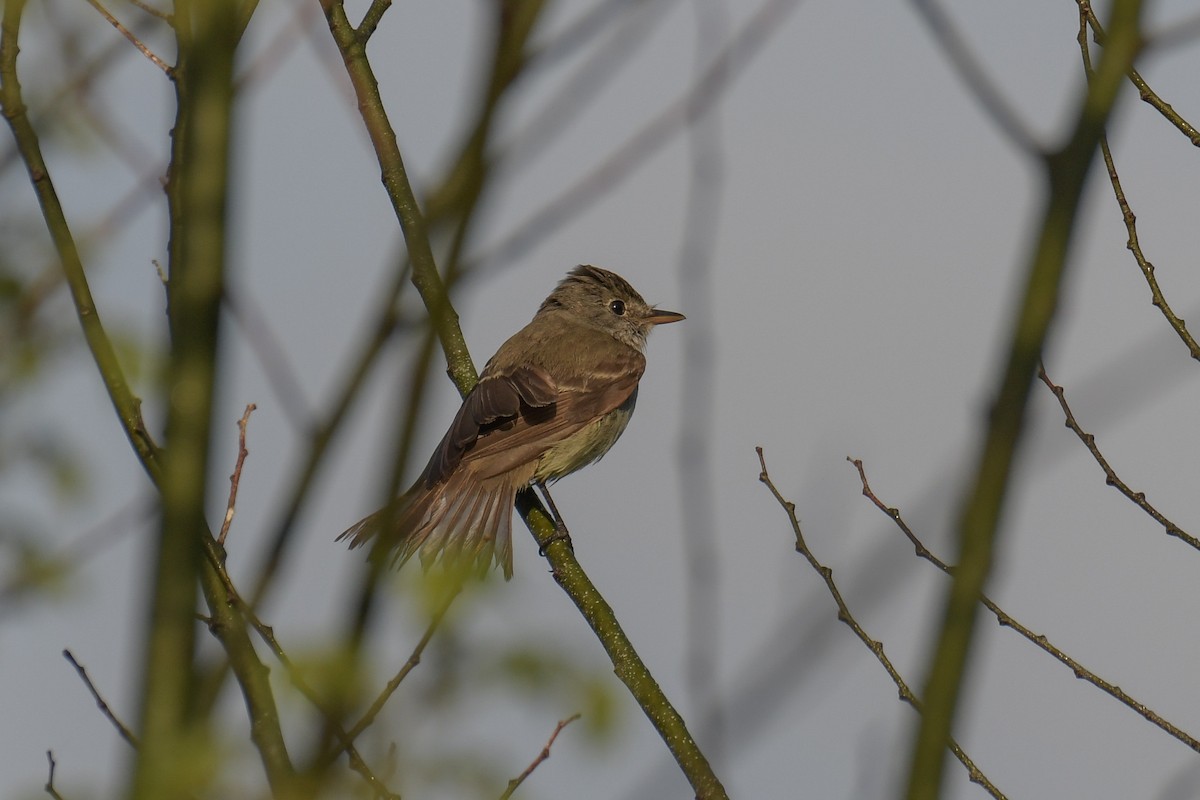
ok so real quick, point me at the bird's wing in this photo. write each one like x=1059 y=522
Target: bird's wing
x=496 y=397
x=511 y=418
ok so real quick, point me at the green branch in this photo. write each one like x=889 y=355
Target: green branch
x=173 y=729
x=226 y=625
x=1066 y=174
x=627 y=665
x=127 y=406
x=395 y=180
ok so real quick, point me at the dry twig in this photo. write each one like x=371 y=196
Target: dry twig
x=134 y=40
x=236 y=477
x=50 y=790
x=542 y=756
x=126 y=734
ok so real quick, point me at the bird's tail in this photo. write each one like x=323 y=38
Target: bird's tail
x=463 y=522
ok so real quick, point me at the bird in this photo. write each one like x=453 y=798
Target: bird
x=552 y=400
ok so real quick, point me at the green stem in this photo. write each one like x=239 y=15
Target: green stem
x=196 y=194
x=1066 y=173
x=627 y=664
x=567 y=571
x=127 y=406
x=404 y=202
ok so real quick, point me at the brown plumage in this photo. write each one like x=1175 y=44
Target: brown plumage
x=553 y=399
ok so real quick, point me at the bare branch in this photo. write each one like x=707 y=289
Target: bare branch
x=151 y=10
x=413 y=660
x=876 y=647
x=1005 y=620
x=711 y=84
x=975 y=77
x=273 y=357
x=1133 y=243
x=50 y=790
x=236 y=477
x=126 y=734
x=979 y=520
x=1181 y=33
x=128 y=34
x=1144 y=91
x=542 y=756
x=1110 y=476
x=267 y=634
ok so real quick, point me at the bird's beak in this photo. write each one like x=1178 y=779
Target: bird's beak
x=659 y=317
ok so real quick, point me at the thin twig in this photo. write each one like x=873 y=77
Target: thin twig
x=60 y=562
x=542 y=756
x=740 y=51
x=323 y=432
x=694 y=456
x=128 y=34
x=1183 y=32
x=126 y=734
x=282 y=376
x=1110 y=476
x=265 y=731
x=578 y=90
x=50 y=790
x=979 y=519
x=587 y=28
x=267 y=634
x=1005 y=620
x=151 y=10
x=1157 y=298
x=236 y=477
x=875 y=646
x=414 y=659
x=567 y=571
x=408 y=211
x=972 y=73
x=1146 y=94
x=1133 y=243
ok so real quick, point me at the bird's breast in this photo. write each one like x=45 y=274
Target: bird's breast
x=586 y=446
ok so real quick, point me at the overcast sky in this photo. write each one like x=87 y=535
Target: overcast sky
x=870 y=230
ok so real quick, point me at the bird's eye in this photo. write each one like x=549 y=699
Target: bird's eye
x=617 y=307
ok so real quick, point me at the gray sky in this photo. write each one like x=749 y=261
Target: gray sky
x=873 y=225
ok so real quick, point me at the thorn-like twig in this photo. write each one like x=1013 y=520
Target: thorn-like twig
x=126 y=734
x=236 y=477
x=542 y=756
x=1145 y=93
x=128 y=34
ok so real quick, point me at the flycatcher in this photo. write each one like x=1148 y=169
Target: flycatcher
x=554 y=398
